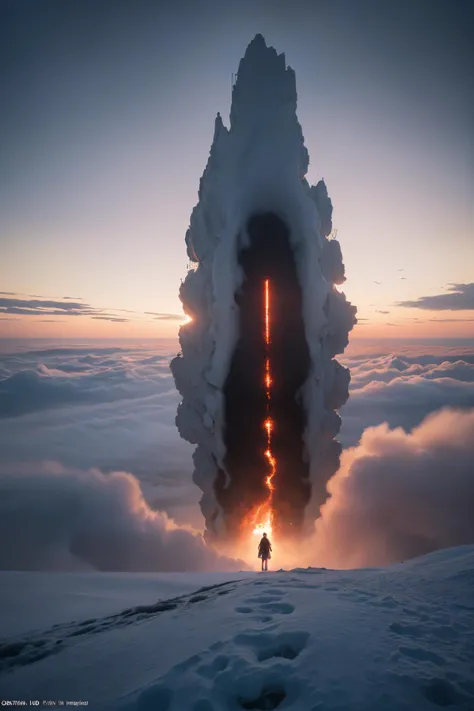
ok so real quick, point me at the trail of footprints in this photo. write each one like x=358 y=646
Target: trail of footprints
x=224 y=664
x=38 y=645
x=244 y=671
x=263 y=606
x=416 y=631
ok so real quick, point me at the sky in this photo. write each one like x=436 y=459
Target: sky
x=108 y=116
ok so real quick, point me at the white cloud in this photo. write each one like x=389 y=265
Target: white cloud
x=403 y=390
x=399 y=494
x=53 y=518
x=116 y=412
x=39 y=381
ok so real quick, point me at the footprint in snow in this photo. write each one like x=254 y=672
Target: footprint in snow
x=272 y=606
x=415 y=613
x=264 y=598
x=281 y=645
x=404 y=630
x=282 y=608
x=239 y=674
x=21 y=652
x=443 y=693
x=422 y=655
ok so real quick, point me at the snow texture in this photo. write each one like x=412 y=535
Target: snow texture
x=60 y=597
x=392 y=639
x=259 y=165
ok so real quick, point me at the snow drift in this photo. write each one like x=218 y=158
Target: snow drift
x=258 y=216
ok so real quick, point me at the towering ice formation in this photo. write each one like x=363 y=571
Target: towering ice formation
x=257 y=216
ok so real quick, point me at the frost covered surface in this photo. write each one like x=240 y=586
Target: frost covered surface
x=390 y=638
x=258 y=165
x=32 y=599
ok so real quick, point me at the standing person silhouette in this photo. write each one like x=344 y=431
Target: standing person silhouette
x=264 y=549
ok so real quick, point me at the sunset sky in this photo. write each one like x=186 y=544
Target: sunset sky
x=107 y=119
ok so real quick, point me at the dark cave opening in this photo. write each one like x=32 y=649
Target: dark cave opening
x=269 y=256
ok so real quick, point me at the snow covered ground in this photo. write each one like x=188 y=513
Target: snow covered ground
x=36 y=600
x=384 y=639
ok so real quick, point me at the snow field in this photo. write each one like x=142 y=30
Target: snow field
x=385 y=639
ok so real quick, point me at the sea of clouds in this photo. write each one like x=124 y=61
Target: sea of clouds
x=93 y=474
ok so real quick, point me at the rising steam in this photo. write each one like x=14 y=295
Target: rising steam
x=257 y=374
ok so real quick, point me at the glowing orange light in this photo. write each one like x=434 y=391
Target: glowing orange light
x=268 y=377
x=267 y=311
x=263 y=528
x=261 y=518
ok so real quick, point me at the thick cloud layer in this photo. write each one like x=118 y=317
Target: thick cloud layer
x=52 y=378
x=119 y=416
x=44 y=387
x=52 y=518
x=403 y=390
x=116 y=412
x=398 y=494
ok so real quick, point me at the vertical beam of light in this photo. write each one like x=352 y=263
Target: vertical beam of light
x=266 y=510
x=267 y=312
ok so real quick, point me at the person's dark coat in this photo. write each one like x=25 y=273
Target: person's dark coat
x=264 y=549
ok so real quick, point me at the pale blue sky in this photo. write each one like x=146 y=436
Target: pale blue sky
x=110 y=114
